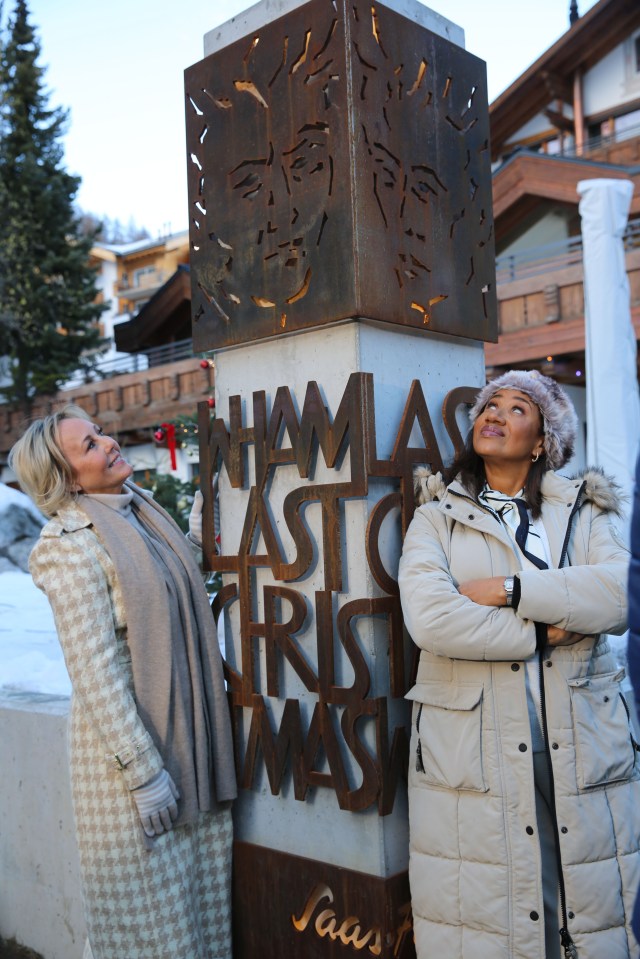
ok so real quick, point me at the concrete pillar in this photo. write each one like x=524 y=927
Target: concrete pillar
x=41 y=902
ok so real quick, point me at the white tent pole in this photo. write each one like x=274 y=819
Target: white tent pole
x=613 y=401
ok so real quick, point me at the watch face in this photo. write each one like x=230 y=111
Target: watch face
x=508 y=588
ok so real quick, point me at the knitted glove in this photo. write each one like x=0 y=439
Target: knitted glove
x=156 y=802
x=195 y=516
x=195 y=519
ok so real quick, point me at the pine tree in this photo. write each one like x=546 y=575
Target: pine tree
x=48 y=309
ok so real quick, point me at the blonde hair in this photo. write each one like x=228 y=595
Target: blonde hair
x=39 y=463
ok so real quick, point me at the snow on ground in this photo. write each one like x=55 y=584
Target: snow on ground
x=31 y=659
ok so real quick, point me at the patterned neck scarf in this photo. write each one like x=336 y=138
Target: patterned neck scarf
x=513 y=512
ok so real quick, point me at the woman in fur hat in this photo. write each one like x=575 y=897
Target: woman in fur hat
x=150 y=745
x=524 y=791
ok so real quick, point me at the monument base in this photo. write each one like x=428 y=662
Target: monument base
x=289 y=907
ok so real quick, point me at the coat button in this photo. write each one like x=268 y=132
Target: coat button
x=447 y=506
x=529 y=830
x=471 y=516
x=534 y=915
x=522 y=747
x=571 y=915
x=554 y=745
x=548 y=663
x=564 y=829
x=515 y=667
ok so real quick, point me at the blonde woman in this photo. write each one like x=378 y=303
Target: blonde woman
x=150 y=738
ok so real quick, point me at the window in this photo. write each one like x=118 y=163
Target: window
x=628 y=125
x=144 y=478
x=632 y=63
x=140 y=275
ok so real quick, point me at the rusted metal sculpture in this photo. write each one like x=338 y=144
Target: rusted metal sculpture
x=338 y=167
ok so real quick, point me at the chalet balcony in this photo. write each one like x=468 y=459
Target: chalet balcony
x=620 y=150
x=541 y=305
x=128 y=403
x=141 y=286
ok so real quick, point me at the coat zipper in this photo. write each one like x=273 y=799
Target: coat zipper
x=567 y=942
x=419 y=762
x=576 y=507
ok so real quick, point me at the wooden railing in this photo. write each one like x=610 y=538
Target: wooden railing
x=133 y=403
x=543 y=312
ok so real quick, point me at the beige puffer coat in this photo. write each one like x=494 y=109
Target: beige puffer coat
x=475 y=860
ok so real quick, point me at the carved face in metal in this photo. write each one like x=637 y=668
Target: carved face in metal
x=266 y=162
x=280 y=193
x=426 y=154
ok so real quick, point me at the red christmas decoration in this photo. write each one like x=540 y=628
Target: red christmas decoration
x=159 y=435
x=204 y=364
x=211 y=402
x=170 y=430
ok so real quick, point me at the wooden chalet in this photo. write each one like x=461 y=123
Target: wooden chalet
x=573 y=115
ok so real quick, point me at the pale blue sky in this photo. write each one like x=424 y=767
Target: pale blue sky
x=118 y=67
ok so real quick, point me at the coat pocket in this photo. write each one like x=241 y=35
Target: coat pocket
x=449 y=735
x=605 y=751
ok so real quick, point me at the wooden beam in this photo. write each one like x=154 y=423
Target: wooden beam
x=551 y=178
x=558 y=87
x=533 y=343
x=596 y=33
x=560 y=121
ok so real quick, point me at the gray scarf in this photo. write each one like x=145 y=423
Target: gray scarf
x=176 y=661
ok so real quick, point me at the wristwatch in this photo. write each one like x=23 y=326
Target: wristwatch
x=508 y=588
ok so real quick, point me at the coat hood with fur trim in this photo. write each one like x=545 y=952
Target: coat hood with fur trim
x=598 y=488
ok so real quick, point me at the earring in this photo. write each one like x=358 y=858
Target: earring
x=534 y=459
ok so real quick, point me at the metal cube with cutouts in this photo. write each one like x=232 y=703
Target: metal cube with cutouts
x=339 y=168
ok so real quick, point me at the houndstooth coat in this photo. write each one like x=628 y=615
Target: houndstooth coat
x=144 y=899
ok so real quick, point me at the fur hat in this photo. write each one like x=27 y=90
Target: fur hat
x=560 y=422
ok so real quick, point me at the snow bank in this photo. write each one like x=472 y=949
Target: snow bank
x=31 y=659
x=13 y=497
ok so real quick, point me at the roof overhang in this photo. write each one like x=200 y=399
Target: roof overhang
x=526 y=178
x=601 y=29
x=136 y=334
